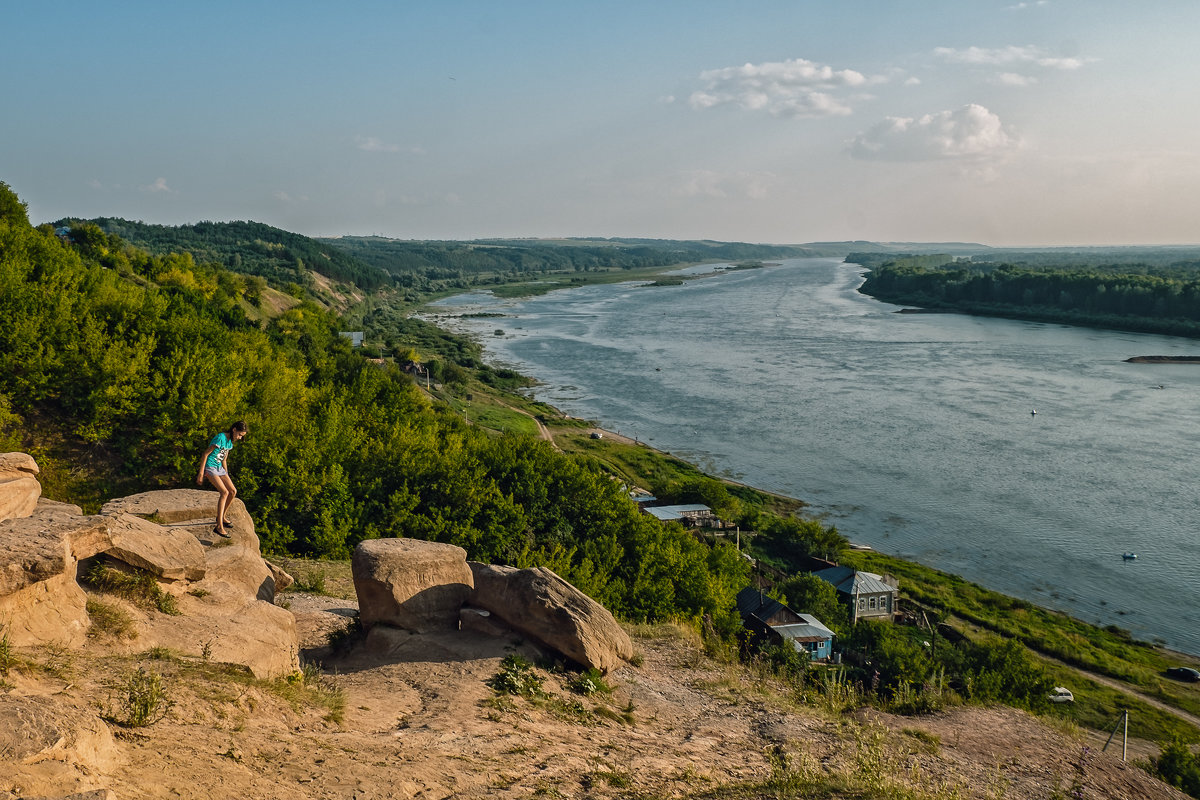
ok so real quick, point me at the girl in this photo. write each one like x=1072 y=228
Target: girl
x=212 y=465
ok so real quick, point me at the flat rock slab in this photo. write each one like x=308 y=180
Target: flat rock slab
x=167 y=506
x=541 y=605
x=46 y=545
x=411 y=584
x=169 y=553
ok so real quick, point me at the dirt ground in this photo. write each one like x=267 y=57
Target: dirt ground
x=421 y=721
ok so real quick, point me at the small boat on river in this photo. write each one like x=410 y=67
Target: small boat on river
x=1129 y=556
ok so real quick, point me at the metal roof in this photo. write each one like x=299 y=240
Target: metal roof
x=851 y=581
x=752 y=602
x=809 y=630
x=667 y=513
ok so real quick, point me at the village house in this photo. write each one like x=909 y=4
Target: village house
x=867 y=595
x=693 y=515
x=768 y=617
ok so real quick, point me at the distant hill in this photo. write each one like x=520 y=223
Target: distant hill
x=908 y=248
x=439 y=260
x=252 y=248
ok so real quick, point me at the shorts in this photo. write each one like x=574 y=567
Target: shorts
x=219 y=472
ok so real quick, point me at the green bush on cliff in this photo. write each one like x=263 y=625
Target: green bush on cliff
x=140 y=358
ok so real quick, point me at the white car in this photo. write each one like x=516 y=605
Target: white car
x=1062 y=694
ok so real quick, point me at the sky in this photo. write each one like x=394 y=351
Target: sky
x=1008 y=123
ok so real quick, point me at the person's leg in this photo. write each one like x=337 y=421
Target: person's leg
x=226 y=489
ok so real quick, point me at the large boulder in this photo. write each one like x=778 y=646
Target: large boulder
x=411 y=584
x=40 y=601
x=542 y=606
x=19 y=488
x=233 y=566
x=253 y=633
x=52 y=611
x=169 y=553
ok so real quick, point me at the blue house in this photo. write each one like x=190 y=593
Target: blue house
x=769 y=617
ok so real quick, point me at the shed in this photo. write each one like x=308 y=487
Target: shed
x=769 y=617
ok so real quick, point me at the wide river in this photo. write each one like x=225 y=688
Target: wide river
x=913 y=433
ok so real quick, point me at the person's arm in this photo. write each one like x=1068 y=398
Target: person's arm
x=203 y=461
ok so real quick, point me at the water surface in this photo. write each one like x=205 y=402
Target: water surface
x=913 y=433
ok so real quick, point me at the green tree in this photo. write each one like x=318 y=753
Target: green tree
x=808 y=594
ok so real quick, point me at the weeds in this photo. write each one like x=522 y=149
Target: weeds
x=517 y=677
x=312 y=582
x=109 y=620
x=309 y=686
x=588 y=683
x=143 y=701
x=139 y=586
x=8 y=659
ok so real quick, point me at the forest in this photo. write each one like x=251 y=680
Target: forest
x=1137 y=296
x=131 y=360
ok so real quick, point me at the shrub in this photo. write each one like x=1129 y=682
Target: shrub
x=1179 y=766
x=143 y=701
x=517 y=676
x=588 y=682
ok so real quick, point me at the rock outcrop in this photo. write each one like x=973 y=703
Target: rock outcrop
x=542 y=606
x=223 y=588
x=52 y=742
x=19 y=487
x=411 y=584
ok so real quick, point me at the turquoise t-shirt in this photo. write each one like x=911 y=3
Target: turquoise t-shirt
x=221 y=445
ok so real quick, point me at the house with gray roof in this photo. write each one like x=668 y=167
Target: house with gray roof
x=867 y=595
x=769 y=617
x=696 y=515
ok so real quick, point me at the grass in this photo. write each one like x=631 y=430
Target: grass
x=487 y=412
x=309 y=687
x=640 y=465
x=331 y=578
x=109 y=620
x=1106 y=651
x=138 y=586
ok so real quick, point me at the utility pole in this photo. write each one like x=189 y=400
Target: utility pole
x=1125 y=742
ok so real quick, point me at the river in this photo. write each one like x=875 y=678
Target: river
x=913 y=433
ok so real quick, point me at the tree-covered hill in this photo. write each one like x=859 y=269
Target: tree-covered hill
x=252 y=248
x=1162 y=296
x=135 y=359
x=418 y=263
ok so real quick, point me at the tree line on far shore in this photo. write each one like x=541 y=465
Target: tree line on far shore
x=1161 y=299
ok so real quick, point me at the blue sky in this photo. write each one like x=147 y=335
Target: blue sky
x=1044 y=122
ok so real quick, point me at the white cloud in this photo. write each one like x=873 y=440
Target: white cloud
x=373 y=144
x=284 y=197
x=913 y=81
x=1007 y=56
x=792 y=88
x=1015 y=79
x=159 y=185
x=707 y=183
x=1023 y=6
x=969 y=133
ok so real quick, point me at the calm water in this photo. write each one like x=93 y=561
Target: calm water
x=910 y=432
